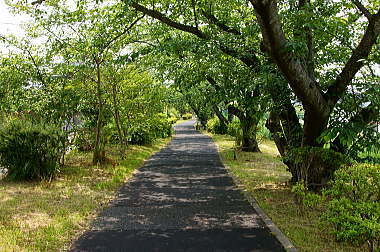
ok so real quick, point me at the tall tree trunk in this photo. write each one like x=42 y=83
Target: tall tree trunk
x=99 y=154
x=230 y=115
x=249 y=141
x=287 y=134
x=318 y=104
x=284 y=125
x=202 y=118
x=314 y=125
x=248 y=125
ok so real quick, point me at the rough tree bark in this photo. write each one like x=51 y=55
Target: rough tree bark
x=318 y=105
x=249 y=126
x=284 y=125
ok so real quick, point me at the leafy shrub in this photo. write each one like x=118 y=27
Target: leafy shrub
x=156 y=127
x=162 y=126
x=173 y=113
x=172 y=120
x=315 y=162
x=234 y=129
x=263 y=132
x=354 y=208
x=198 y=126
x=84 y=139
x=187 y=116
x=141 y=134
x=305 y=199
x=30 y=151
x=215 y=126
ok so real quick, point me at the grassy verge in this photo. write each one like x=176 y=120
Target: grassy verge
x=49 y=216
x=265 y=177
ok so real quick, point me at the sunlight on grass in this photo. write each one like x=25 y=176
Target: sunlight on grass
x=49 y=216
x=266 y=178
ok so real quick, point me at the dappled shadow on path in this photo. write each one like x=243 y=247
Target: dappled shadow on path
x=182 y=199
x=238 y=239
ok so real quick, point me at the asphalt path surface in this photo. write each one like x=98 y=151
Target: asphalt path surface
x=182 y=199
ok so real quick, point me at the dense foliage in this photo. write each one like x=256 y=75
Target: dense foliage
x=304 y=73
x=215 y=126
x=354 y=205
x=30 y=150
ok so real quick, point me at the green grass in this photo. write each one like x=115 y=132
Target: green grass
x=49 y=216
x=266 y=178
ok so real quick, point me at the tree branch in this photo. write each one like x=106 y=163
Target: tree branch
x=159 y=16
x=25 y=49
x=249 y=59
x=108 y=44
x=362 y=9
x=195 y=13
x=296 y=74
x=356 y=61
x=219 y=24
x=212 y=82
x=39 y=73
x=362 y=118
x=219 y=114
x=309 y=41
x=237 y=112
x=38 y=2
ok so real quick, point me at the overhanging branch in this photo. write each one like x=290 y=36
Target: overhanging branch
x=356 y=61
x=249 y=59
x=161 y=17
x=362 y=9
x=296 y=73
x=220 y=24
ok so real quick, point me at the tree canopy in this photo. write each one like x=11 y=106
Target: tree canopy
x=309 y=69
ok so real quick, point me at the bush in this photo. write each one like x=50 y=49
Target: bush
x=313 y=163
x=354 y=206
x=141 y=134
x=263 y=132
x=162 y=126
x=305 y=199
x=145 y=133
x=30 y=151
x=172 y=112
x=234 y=129
x=187 y=116
x=172 y=120
x=84 y=139
x=215 y=126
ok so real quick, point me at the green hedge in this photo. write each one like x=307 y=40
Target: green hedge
x=30 y=151
x=354 y=204
x=145 y=133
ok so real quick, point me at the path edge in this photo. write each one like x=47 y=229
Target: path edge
x=281 y=237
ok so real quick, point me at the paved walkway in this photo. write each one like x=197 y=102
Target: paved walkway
x=182 y=199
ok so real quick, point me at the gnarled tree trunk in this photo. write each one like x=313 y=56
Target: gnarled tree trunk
x=249 y=126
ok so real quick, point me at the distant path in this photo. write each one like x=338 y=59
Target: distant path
x=182 y=199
